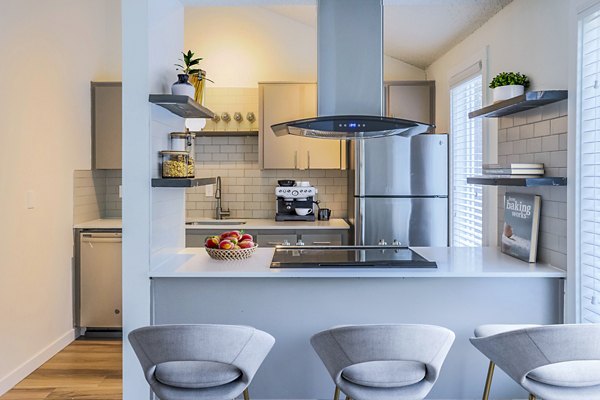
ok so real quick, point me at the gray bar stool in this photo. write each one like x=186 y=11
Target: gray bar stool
x=554 y=362
x=381 y=362
x=489 y=330
x=182 y=362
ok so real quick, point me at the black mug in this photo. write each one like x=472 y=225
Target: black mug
x=324 y=214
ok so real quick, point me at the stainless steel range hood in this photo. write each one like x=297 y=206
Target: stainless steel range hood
x=350 y=127
x=350 y=76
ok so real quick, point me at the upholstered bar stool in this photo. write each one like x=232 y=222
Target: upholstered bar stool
x=553 y=362
x=489 y=330
x=185 y=362
x=381 y=362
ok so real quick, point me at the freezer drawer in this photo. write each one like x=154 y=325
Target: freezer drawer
x=410 y=221
x=399 y=166
x=100 y=280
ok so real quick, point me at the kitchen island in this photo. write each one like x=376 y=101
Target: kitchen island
x=471 y=286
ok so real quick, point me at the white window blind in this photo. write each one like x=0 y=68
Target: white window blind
x=589 y=167
x=466 y=158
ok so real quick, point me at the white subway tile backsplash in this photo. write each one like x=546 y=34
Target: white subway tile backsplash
x=541 y=128
x=544 y=132
x=550 y=143
x=559 y=125
x=249 y=191
x=96 y=195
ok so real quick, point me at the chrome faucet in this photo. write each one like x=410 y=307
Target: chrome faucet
x=219 y=212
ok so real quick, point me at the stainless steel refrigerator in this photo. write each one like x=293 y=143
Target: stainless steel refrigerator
x=399 y=188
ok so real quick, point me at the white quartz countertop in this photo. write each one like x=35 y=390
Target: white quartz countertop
x=103 y=223
x=453 y=262
x=252 y=223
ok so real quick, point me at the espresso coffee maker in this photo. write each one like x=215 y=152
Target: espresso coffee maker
x=295 y=201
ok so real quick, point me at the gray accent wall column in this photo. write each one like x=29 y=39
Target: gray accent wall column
x=350 y=57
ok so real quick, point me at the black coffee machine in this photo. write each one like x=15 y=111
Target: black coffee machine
x=295 y=203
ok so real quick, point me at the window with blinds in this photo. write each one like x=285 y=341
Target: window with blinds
x=588 y=156
x=466 y=159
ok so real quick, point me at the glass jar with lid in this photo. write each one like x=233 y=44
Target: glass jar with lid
x=184 y=141
x=175 y=164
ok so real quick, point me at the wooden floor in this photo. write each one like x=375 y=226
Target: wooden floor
x=86 y=370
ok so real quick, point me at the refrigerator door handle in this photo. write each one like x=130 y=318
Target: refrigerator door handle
x=359 y=176
x=359 y=231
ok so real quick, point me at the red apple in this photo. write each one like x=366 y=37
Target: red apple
x=232 y=239
x=212 y=242
x=246 y=244
x=246 y=236
x=235 y=234
x=226 y=245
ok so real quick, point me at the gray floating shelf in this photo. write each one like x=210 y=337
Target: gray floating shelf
x=517 y=181
x=183 y=106
x=520 y=103
x=225 y=133
x=182 y=182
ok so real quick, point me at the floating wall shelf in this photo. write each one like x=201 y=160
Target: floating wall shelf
x=520 y=103
x=182 y=182
x=225 y=133
x=517 y=181
x=183 y=106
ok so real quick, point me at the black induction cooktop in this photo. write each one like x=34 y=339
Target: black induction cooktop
x=348 y=257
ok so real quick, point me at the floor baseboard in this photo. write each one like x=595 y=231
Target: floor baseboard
x=18 y=374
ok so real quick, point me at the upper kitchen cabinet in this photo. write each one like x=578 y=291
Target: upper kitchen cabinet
x=413 y=100
x=106 y=125
x=280 y=102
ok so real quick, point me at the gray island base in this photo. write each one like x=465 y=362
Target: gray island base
x=471 y=287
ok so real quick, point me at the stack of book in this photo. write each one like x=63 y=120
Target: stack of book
x=514 y=169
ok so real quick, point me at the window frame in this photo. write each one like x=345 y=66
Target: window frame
x=576 y=260
x=466 y=75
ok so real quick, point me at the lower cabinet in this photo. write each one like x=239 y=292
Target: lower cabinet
x=276 y=240
x=272 y=238
x=328 y=239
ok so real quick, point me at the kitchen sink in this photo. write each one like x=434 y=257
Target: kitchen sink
x=216 y=222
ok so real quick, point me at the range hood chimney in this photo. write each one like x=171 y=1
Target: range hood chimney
x=350 y=76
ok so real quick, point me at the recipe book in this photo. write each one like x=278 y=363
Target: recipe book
x=521 y=224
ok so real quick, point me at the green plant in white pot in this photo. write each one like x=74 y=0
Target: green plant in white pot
x=507 y=85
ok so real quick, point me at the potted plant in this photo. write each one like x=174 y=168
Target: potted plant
x=507 y=85
x=191 y=80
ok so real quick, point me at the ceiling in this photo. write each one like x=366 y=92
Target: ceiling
x=415 y=31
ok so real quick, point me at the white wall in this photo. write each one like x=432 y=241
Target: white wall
x=529 y=36
x=51 y=51
x=242 y=46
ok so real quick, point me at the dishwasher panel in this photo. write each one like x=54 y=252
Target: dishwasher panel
x=100 y=280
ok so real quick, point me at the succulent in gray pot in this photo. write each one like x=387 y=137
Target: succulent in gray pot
x=507 y=85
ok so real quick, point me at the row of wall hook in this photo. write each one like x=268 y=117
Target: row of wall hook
x=237 y=117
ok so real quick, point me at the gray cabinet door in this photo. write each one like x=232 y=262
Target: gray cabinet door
x=275 y=240
x=322 y=239
x=106 y=125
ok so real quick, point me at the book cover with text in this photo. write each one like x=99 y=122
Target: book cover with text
x=521 y=223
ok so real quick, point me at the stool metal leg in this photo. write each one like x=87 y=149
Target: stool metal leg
x=531 y=397
x=336 y=395
x=348 y=397
x=246 y=394
x=488 y=381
